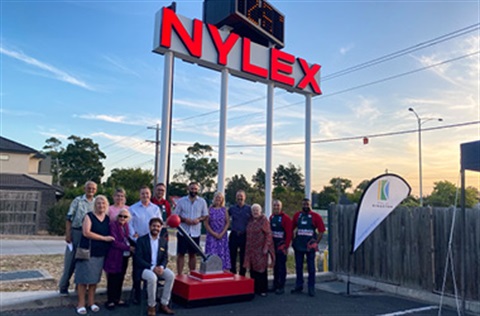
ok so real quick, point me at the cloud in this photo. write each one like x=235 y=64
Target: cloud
x=346 y=49
x=52 y=70
x=120 y=119
x=120 y=66
x=20 y=113
x=365 y=108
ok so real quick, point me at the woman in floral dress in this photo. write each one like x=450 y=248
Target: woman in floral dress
x=217 y=224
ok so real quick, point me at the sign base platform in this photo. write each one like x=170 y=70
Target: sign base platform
x=197 y=289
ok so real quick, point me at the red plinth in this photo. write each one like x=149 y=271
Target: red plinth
x=198 y=289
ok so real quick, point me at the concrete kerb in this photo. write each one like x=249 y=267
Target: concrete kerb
x=470 y=306
x=11 y=301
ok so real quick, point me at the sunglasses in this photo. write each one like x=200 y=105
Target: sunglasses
x=122 y=216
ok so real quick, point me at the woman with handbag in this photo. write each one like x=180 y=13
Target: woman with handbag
x=116 y=261
x=96 y=237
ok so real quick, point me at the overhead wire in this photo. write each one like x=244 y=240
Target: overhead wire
x=370 y=63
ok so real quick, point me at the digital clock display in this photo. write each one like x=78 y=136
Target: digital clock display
x=264 y=15
x=248 y=16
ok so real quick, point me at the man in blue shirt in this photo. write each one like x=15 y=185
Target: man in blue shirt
x=239 y=214
x=142 y=212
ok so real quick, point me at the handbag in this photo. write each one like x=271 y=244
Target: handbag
x=83 y=253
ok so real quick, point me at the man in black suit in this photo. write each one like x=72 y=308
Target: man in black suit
x=151 y=266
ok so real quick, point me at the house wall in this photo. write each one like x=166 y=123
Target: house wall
x=14 y=163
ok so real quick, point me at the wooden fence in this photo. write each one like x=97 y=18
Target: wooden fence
x=19 y=212
x=409 y=248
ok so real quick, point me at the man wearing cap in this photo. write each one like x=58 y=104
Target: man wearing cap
x=305 y=243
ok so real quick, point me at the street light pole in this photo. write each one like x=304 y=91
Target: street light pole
x=420 y=121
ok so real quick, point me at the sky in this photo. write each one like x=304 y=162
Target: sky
x=86 y=68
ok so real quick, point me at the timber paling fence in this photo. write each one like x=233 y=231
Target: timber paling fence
x=409 y=248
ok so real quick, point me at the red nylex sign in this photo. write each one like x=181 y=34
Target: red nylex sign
x=206 y=45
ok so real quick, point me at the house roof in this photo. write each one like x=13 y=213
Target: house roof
x=7 y=145
x=23 y=182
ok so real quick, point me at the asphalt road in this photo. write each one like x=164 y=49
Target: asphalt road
x=365 y=302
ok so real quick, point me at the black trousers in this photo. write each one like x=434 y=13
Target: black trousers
x=237 y=242
x=115 y=283
x=280 y=270
x=261 y=281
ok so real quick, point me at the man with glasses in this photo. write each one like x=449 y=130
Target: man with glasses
x=159 y=200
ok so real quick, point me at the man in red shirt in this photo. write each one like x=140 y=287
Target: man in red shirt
x=281 y=226
x=158 y=199
x=305 y=243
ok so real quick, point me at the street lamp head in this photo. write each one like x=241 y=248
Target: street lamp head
x=410 y=109
x=440 y=120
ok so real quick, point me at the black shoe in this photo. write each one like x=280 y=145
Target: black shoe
x=64 y=293
x=110 y=305
x=297 y=290
x=311 y=291
x=280 y=291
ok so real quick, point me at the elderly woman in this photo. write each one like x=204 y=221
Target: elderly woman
x=258 y=247
x=96 y=237
x=119 y=200
x=116 y=261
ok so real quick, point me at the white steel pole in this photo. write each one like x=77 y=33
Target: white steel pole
x=223 y=132
x=308 y=146
x=268 y=160
x=166 y=110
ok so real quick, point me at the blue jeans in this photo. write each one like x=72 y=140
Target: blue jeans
x=299 y=256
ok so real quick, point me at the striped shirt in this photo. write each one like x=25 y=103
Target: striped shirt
x=79 y=207
x=187 y=209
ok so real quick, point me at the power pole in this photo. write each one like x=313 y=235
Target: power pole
x=157 y=151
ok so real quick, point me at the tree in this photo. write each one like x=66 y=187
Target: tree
x=130 y=179
x=333 y=192
x=233 y=185
x=288 y=177
x=444 y=193
x=198 y=166
x=258 y=179
x=53 y=149
x=80 y=162
x=357 y=193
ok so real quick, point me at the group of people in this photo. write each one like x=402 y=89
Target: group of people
x=260 y=242
x=114 y=233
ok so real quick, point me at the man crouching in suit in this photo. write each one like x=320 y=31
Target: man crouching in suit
x=151 y=266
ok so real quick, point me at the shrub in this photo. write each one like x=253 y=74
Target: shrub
x=56 y=217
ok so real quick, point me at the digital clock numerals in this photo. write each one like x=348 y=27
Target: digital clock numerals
x=253 y=12
x=263 y=15
x=250 y=9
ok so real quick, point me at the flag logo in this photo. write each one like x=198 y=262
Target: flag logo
x=383 y=190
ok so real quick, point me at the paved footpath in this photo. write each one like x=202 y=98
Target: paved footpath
x=363 y=302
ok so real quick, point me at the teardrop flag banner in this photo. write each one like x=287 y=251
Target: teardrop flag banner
x=379 y=199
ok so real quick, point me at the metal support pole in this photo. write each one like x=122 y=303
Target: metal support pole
x=463 y=225
x=268 y=153
x=308 y=146
x=223 y=132
x=420 y=159
x=166 y=119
